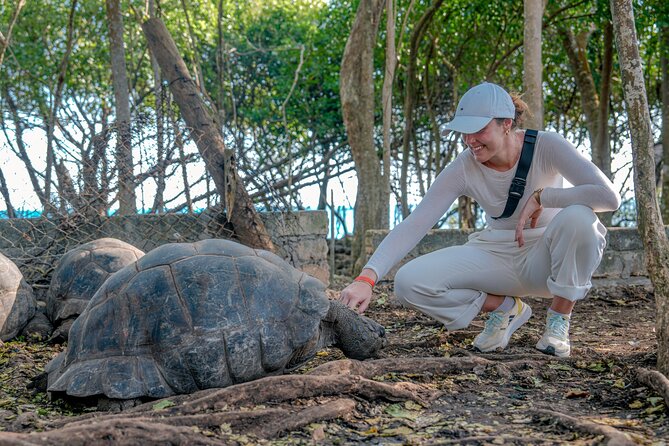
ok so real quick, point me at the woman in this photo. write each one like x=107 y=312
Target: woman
x=549 y=246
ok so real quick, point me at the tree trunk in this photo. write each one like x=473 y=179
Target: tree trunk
x=158 y=92
x=66 y=189
x=595 y=105
x=220 y=161
x=650 y=221
x=52 y=117
x=664 y=61
x=532 y=74
x=124 y=160
x=466 y=213
x=11 y=213
x=410 y=100
x=387 y=96
x=356 y=90
x=4 y=40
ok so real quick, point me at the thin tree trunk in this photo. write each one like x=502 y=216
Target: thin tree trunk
x=4 y=40
x=94 y=190
x=410 y=99
x=576 y=48
x=356 y=90
x=124 y=159
x=220 y=62
x=595 y=105
x=387 y=95
x=664 y=61
x=158 y=92
x=533 y=69
x=55 y=106
x=179 y=141
x=466 y=215
x=602 y=144
x=66 y=190
x=11 y=213
x=650 y=221
x=220 y=161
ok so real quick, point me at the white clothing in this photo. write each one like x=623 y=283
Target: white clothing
x=558 y=258
x=554 y=159
x=451 y=284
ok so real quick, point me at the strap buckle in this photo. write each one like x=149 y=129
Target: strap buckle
x=517 y=187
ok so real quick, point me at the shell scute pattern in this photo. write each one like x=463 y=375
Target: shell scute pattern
x=191 y=316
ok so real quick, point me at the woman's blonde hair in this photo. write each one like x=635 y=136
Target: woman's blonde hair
x=522 y=110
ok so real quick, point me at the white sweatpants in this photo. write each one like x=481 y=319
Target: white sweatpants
x=451 y=284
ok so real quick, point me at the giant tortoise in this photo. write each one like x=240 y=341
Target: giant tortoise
x=17 y=303
x=79 y=274
x=190 y=316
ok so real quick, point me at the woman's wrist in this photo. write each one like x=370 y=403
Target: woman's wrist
x=368 y=280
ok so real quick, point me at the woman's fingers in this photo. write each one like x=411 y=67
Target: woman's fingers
x=356 y=296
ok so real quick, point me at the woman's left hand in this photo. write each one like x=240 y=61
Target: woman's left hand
x=531 y=211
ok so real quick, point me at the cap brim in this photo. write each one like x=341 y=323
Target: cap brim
x=466 y=124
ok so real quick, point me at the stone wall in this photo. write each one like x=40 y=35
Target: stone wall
x=35 y=245
x=623 y=257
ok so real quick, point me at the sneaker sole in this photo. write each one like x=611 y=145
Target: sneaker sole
x=516 y=323
x=550 y=350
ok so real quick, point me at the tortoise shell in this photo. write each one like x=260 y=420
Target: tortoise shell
x=190 y=316
x=17 y=302
x=81 y=271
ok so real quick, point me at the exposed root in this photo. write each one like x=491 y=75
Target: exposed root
x=435 y=366
x=656 y=381
x=191 y=409
x=113 y=432
x=613 y=436
x=328 y=411
x=263 y=423
x=378 y=367
x=290 y=387
x=486 y=438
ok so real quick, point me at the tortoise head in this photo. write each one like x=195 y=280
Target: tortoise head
x=357 y=336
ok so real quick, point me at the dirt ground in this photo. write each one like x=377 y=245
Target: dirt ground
x=518 y=396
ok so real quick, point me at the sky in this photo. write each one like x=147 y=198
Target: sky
x=343 y=189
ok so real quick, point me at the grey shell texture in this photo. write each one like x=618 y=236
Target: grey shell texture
x=81 y=271
x=17 y=303
x=190 y=316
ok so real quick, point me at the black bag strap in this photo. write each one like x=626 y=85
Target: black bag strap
x=518 y=183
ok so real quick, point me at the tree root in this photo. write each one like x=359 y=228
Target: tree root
x=272 y=389
x=379 y=367
x=290 y=387
x=263 y=423
x=113 y=432
x=435 y=366
x=656 y=381
x=486 y=438
x=613 y=436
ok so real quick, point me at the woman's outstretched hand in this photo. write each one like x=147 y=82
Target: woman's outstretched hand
x=531 y=211
x=358 y=294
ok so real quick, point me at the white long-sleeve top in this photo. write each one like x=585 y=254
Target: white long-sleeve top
x=555 y=159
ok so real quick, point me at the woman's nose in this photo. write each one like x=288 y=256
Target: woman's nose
x=468 y=138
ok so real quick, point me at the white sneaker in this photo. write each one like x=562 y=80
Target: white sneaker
x=555 y=340
x=500 y=326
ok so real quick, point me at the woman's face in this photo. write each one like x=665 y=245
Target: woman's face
x=487 y=142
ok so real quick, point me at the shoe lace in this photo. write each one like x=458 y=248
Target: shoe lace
x=557 y=326
x=495 y=320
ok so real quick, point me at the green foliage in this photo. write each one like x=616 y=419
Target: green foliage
x=271 y=69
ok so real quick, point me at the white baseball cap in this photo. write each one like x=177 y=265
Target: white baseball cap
x=479 y=106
